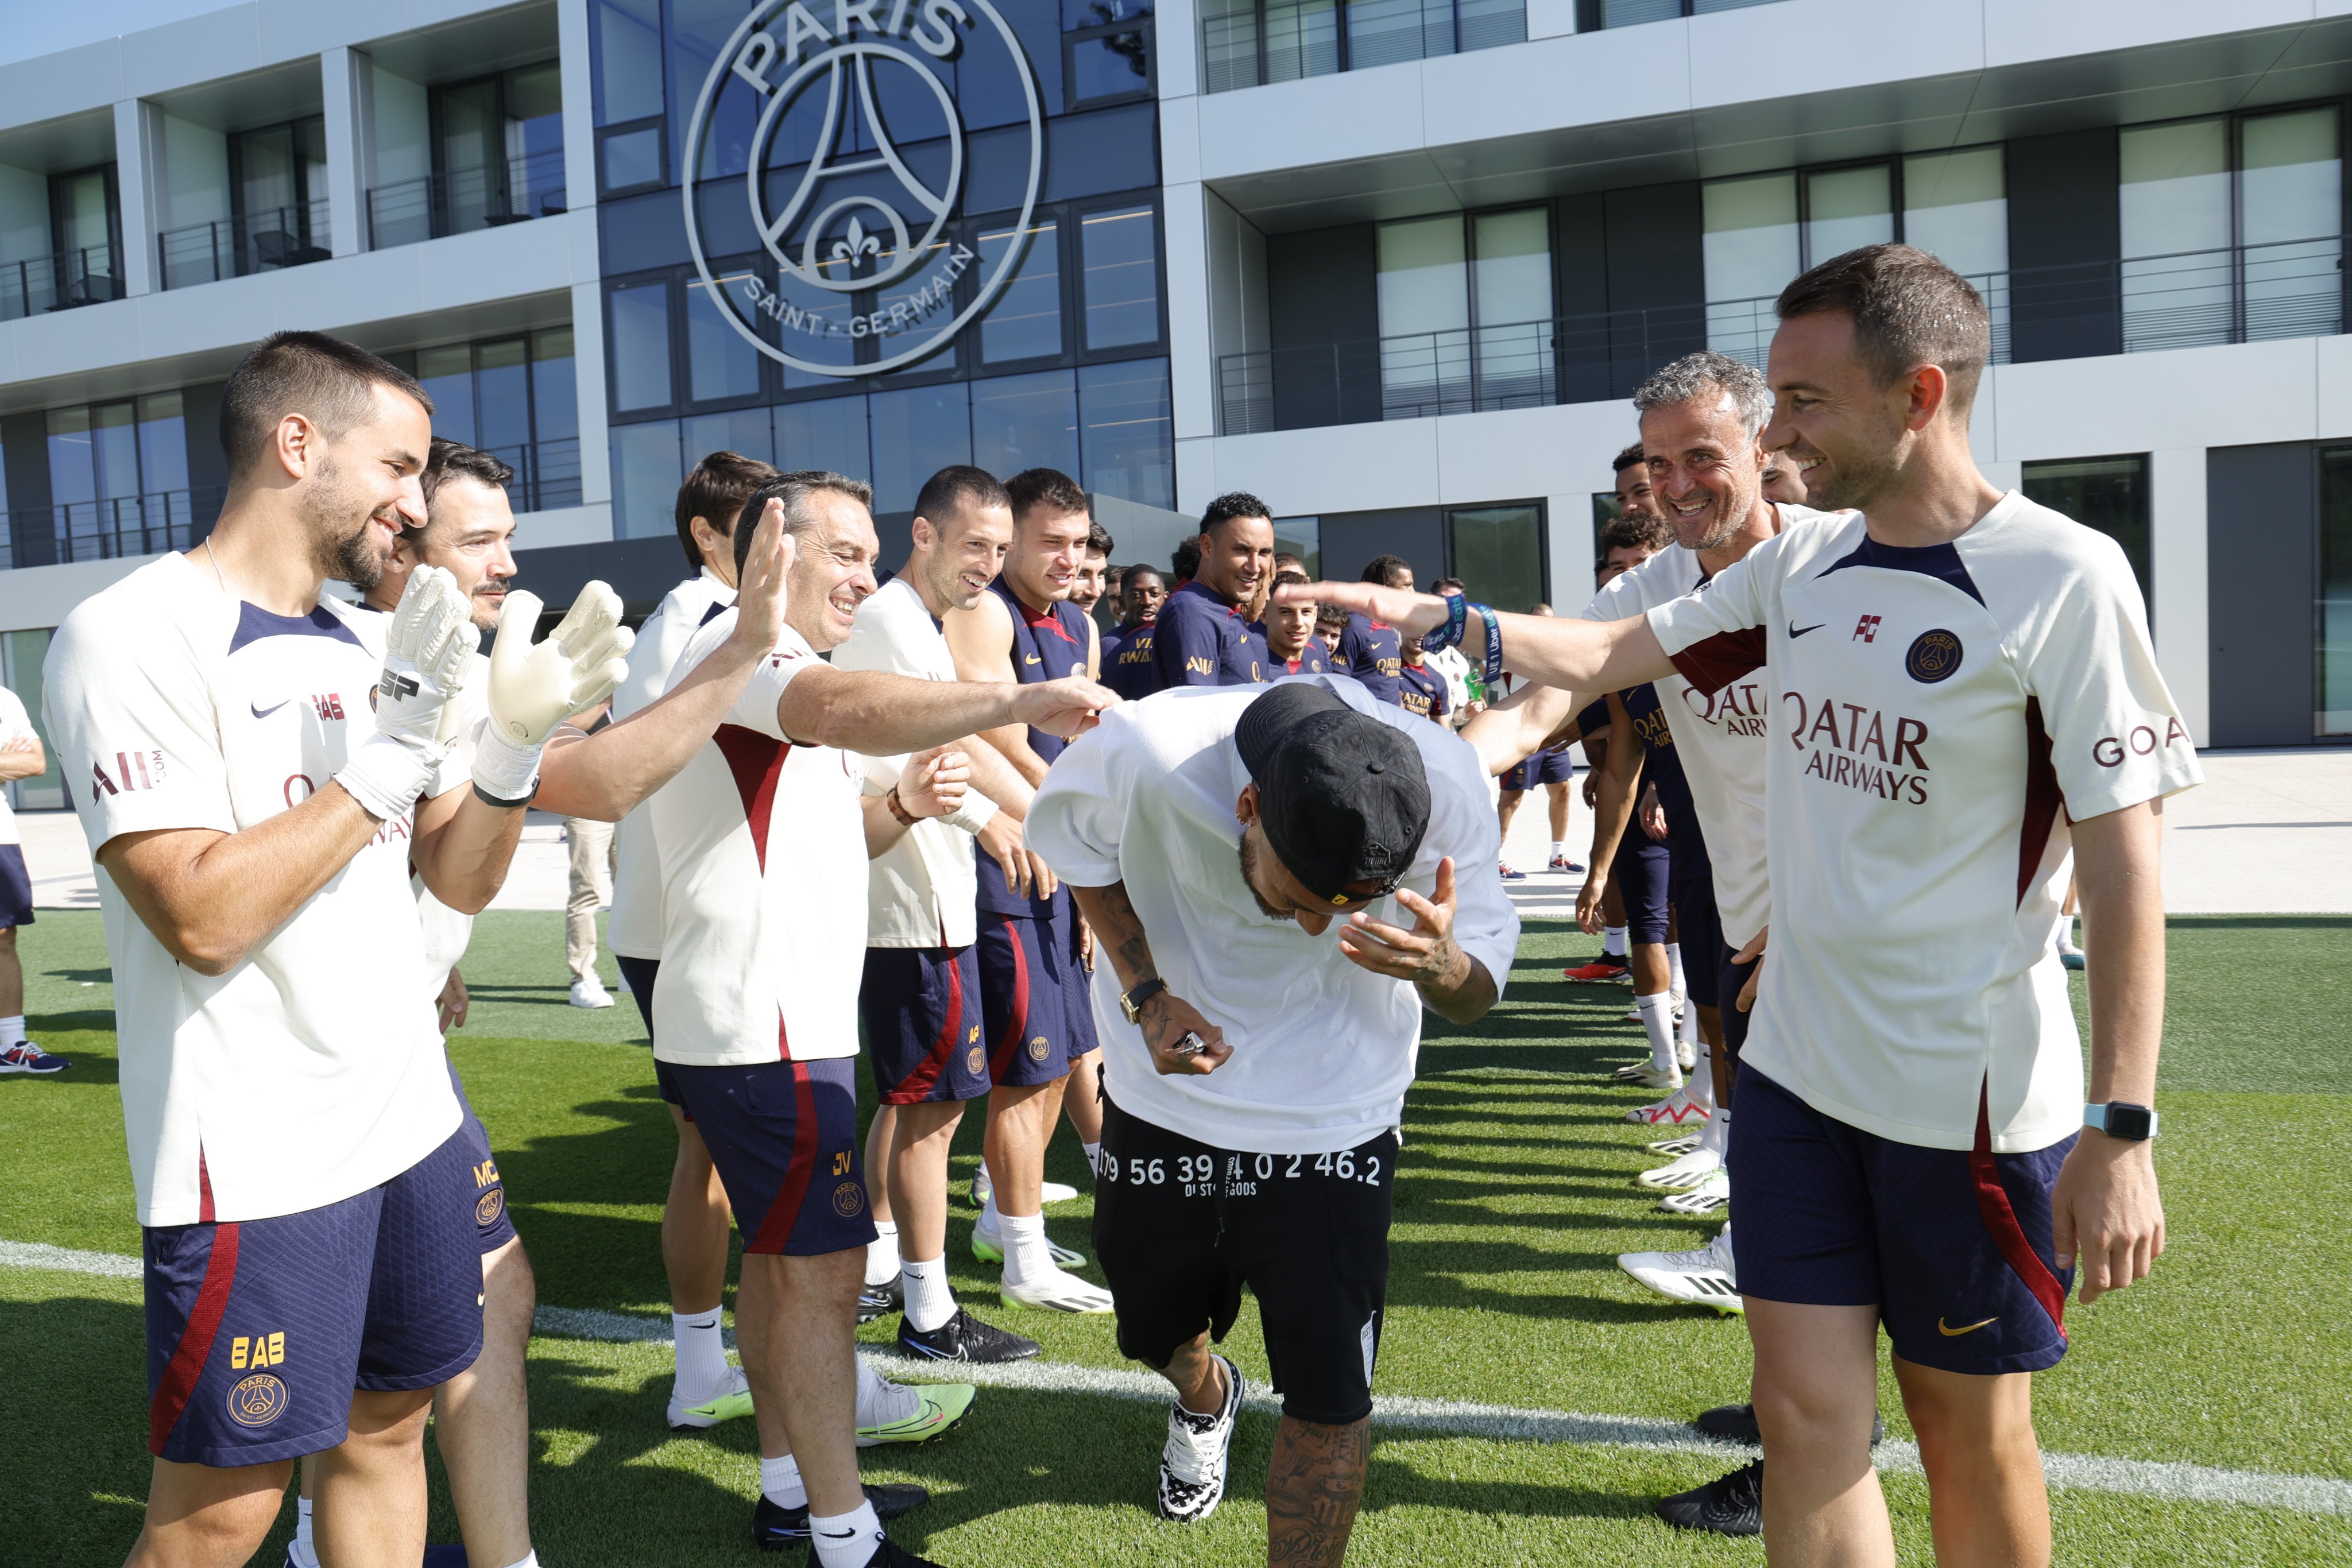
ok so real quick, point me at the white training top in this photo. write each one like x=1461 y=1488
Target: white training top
x=1946 y=710
x=312 y=1071
x=1323 y=1050
x=920 y=890
x=763 y=883
x=1719 y=739
x=14 y=722
x=634 y=929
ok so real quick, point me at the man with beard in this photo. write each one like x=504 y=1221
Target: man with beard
x=1203 y=636
x=1914 y=1146
x=249 y=777
x=1093 y=580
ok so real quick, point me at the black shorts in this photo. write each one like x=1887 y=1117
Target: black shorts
x=641 y=973
x=1700 y=934
x=1180 y=1227
x=1730 y=979
x=1640 y=872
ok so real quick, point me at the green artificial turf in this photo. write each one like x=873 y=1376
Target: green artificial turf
x=1514 y=1198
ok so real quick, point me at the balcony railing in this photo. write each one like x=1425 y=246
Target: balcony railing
x=1594 y=14
x=547 y=473
x=459 y=201
x=1259 y=41
x=85 y=276
x=239 y=247
x=2237 y=294
x=122 y=525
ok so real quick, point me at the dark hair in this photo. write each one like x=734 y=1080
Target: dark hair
x=1627 y=458
x=1231 y=505
x=1644 y=530
x=1381 y=567
x=1283 y=577
x=450 y=460
x=1909 y=309
x=1184 y=560
x=1442 y=583
x=948 y=492
x=1098 y=541
x=1048 y=488
x=328 y=382
x=793 y=490
x=1141 y=568
x=715 y=492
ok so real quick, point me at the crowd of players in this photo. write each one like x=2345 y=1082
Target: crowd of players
x=981 y=813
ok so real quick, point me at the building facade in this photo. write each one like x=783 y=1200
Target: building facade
x=1394 y=264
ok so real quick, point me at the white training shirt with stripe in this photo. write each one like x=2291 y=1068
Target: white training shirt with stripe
x=634 y=929
x=312 y=1071
x=1942 y=712
x=764 y=882
x=1720 y=738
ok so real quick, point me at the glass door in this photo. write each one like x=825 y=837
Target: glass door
x=1511 y=290
x=2175 y=209
x=2291 y=212
x=2332 y=612
x=81 y=207
x=1424 y=314
x=468 y=144
x=22 y=653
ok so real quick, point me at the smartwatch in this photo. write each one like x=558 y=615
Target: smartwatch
x=2121 y=1119
x=1131 y=1003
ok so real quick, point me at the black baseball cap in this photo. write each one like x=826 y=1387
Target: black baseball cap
x=1342 y=797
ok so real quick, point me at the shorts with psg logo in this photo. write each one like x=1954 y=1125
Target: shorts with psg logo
x=784 y=1137
x=921 y=1010
x=258 y=1330
x=1036 y=1017
x=493 y=1226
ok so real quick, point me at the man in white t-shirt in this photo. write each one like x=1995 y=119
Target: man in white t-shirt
x=764 y=845
x=1971 y=704
x=22 y=756
x=1255 y=1060
x=249 y=777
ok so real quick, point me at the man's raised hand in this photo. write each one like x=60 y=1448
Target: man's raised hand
x=760 y=586
x=534 y=686
x=932 y=783
x=1065 y=708
x=1427 y=955
x=428 y=648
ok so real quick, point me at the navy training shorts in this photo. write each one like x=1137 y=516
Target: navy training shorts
x=921 y=1010
x=1538 y=767
x=1641 y=871
x=1036 y=1016
x=493 y=1226
x=783 y=1138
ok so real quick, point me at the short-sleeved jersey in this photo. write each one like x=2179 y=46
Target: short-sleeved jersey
x=15 y=723
x=1314 y=659
x=1047 y=645
x=1130 y=662
x=1421 y=691
x=312 y=1070
x=1202 y=641
x=1661 y=768
x=1323 y=1050
x=635 y=927
x=1373 y=652
x=764 y=882
x=1942 y=714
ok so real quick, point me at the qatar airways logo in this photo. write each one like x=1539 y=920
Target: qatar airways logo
x=1854 y=747
x=1739 y=708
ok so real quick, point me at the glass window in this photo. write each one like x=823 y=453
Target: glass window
x=639 y=342
x=1425 y=315
x=1122 y=278
x=2291 y=191
x=1113 y=65
x=502 y=396
x=628 y=60
x=825 y=432
x=1955 y=207
x=1628 y=12
x=448 y=373
x=1301 y=39
x=1125 y=439
x=73 y=477
x=2109 y=494
x=1750 y=251
x=164 y=467
x=1026 y=323
x=721 y=362
x=645 y=477
x=27 y=652
x=1497 y=552
x=633 y=158
x=1511 y=287
x=742 y=430
x=1025 y=422
x=1381 y=32
x=1490 y=24
x=554 y=386
x=1846 y=209
x=2334 y=631
x=917 y=430
x=697 y=30
x=1302 y=536
x=2175 y=210
x=905 y=309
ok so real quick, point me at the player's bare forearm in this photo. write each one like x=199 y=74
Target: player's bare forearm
x=1120 y=929
x=605 y=776
x=1521 y=724
x=994 y=775
x=1314 y=1487
x=1464 y=998
x=212 y=897
x=1011 y=743
x=23 y=760
x=1621 y=777
x=882 y=828
x=2118 y=874
x=878 y=713
x=463 y=847
x=1582 y=655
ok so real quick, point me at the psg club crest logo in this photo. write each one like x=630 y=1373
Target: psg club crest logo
x=256 y=1401
x=835 y=125
x=1934 y=656
x=848 y=1200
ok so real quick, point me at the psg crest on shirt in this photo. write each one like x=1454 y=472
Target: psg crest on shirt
x=838 y=128
x=1934 y=656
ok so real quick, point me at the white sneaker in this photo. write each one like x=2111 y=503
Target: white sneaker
x=1678 y=1110
x=1058 y=1291
x=1193 y=1465
x=1708 y=1199
x=988 y=1246
x=981 y=1189
x=732 y=1401
x=1704 y=1276
x=588 y=991
x=1649 y=1077
x=1670 y=1147
x=1686 y=1054
x=1685 y=1173
x=1057 y=1192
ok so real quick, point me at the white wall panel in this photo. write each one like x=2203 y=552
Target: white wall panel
x=2177 y=562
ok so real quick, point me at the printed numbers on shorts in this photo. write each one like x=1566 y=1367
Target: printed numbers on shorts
x=1343 y=1166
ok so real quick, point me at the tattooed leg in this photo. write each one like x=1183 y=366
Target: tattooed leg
x=1313 y=1490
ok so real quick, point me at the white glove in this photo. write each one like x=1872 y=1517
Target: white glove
x=536 y=687
x=427 y=651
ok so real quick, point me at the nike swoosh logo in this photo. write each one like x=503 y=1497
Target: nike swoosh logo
x=1029 y=658
x=260 y=712
x=837 y=1534
x=1796 y=631
x=1950 y=1332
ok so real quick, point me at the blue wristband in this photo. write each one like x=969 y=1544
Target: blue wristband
x=1457 y=613
x=1494 y=646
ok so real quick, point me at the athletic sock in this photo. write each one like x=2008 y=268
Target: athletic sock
x=302 y=1552
x=1688 y=1028
x=1094 y=1156
x=992 y=1218
x=779 y=1482
x=12 y=1031
x=882 y=1254
x=929 y=1299
x=1612 y=943
x=701 y=1355
x=1025 y=1258
x=1701 y=1083
x=1658 y=1018
x=1560 y=848
x=1717 y=1132
x=528 y=1560
x=847 y=1539
x=2065 y=945
x=1674 y=970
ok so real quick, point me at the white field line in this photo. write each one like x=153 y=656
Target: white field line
x=2172 y=1482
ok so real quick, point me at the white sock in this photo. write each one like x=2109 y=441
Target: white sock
x=1658 y=1018
x=528 y=1560
x=701 y=1355
x=882 y=1254
x=1689 y=1027
x=1094 y=1156
x=1612 y=942
x=1560 y=848
x=1025 y=1258
x=779 y=1482
x=1718 y=1134
x=301 y=1550
x=930 y=1300
x=1674 y=970
x=992 y=1218
x=845 y=1540
x=12 y=1031
x=1701 y=1083
x=2065 y=945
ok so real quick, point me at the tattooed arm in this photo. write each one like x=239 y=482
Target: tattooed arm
x=1313 y=1489
x=1167 y=1017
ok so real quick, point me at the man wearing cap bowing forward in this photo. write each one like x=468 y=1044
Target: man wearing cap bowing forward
x=1270 y=870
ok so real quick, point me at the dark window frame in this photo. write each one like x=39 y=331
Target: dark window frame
x=1543 y=533
x=1146 y=27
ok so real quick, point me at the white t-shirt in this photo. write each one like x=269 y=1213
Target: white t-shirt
x=920 y=889
x=1946 y=711
x=634 y=929
x=14 y=722
x=763 y=883
x=1720 y=738
x=1323 y=1050
x=312 y=1071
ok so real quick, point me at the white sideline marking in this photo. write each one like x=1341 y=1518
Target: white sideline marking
x=2168 y=1480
